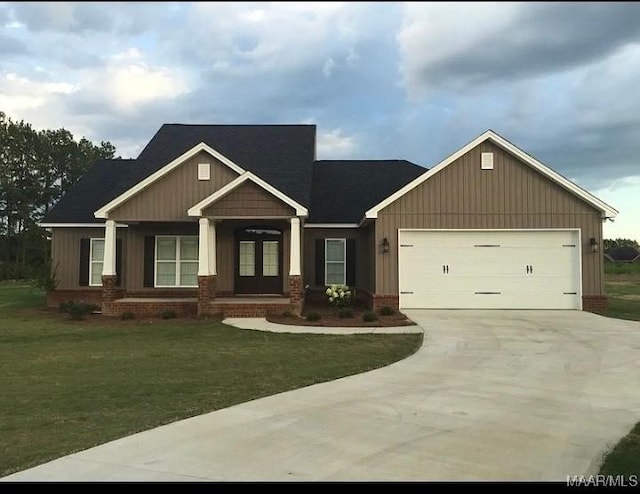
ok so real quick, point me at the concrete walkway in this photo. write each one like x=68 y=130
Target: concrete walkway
x=531 y=395
x=261 y=324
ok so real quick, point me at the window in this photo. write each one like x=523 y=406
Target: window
x=96 y=258
x=176 y=261
x=247 y=258
x=335 y=261
x=270 y=258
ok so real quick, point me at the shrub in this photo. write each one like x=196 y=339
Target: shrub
x=313 y=316
x=369 y=316
x=345 y=312
x=387 y=311
x=168 y=314
x=287 y=313
x=77 y=310
x=339 y=295
x=125 y=316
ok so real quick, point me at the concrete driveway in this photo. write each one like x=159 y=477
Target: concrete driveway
x=533 y=395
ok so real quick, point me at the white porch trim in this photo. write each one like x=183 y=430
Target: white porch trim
x=204 y=247
x=109 y=263
x=197 y=209
x=294 y=251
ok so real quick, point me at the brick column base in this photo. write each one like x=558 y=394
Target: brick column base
x=379 y=301
x=296 y=293
x=206 y=293
x=110 y=293
x=595 y=303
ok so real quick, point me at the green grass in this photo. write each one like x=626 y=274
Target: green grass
x=624 y=458
x=622 y=286
x=70 y=385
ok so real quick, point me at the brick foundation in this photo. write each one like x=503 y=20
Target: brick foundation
x=110 y=293
x=232 y=309
x=163 y=293
x=153 y=309
x=91 y=296
x=296 y=294
x=206 y=293
x=595 y=303
x=379 y=301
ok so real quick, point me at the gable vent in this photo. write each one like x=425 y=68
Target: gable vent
x=204 y=171
x=486 y=161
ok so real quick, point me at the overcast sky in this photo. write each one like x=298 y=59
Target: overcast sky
x=381 y=80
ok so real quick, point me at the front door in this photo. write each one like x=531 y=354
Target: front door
x=258 y=260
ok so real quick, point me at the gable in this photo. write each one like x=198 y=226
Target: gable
x=605 y=210
x=169 y=197
x=511 y=187
x=248 y=199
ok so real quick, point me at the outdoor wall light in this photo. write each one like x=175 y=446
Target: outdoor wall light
x=385 y=245
x=594 y=244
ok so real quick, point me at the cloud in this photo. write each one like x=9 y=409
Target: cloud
x=334 y=145
x=11 y=46
x=462 y=45
x=328 y=67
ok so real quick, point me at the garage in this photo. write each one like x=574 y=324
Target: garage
x=489 y=269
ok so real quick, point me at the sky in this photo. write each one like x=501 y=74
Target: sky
x=413 y=81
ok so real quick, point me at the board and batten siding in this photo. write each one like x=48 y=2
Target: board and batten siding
x=363 y=254
x=511 y=196
x=249 y=199
x=65 y=254
x=169 y=198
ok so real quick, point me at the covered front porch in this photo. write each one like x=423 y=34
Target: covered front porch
x=209 y=266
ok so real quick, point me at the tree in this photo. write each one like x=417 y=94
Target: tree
x=36 y=169
x=620 y=242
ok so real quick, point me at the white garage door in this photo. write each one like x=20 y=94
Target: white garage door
x=489 y=269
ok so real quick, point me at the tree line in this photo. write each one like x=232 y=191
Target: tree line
x=36 y=169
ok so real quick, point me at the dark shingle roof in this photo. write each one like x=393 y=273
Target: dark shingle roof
x=282 y=155
x=101 y=183
x=344 y=190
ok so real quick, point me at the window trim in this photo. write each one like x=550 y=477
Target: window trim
x=91 y=262
x=177 y=261
x=343 y=262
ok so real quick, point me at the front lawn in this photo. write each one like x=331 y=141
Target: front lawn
x=70 y=385
x=622 y=286
x=624 y=458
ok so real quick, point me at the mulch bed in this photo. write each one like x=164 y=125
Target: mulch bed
x=329 y=317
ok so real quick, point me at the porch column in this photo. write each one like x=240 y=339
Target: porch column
x=296 y=294
x=109 y=263
x=212 y=248
x=294 y=254
x=206 y=266
x=203 y=248
x=110 y=292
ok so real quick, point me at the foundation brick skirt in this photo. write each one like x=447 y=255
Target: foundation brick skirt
x=595 y=303
x=379 y=301
x=110 y=293
x=91 y=296
x=206 y=293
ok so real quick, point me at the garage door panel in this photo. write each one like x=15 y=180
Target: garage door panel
x=489 y=269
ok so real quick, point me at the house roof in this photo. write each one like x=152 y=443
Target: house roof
x=607 y=211
x=281 y=155
x=344 y=189
x=104 y=180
